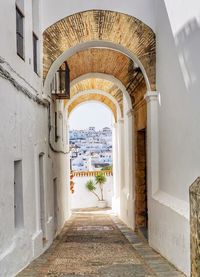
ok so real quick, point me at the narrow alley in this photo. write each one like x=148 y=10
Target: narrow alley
x=97 y=243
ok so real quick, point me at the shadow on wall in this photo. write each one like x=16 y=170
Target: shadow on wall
x=188 y=46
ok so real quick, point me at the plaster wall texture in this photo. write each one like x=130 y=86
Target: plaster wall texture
x=115 y=205
x=170 y=236
x=181 y=12
x=24 y=136
x=179 y=136
x=178 y=111
x=23 y=132
x=8 y=43
x=82 y=198
x=126 y=196
x=142 y=9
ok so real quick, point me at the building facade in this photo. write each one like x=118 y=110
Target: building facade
x=93 y=149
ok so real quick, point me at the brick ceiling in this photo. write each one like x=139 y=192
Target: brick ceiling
x=96 y=60
x=98 y=84
x=110 y=26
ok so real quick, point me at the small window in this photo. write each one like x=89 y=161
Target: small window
x=35 y=53
x=20 y=33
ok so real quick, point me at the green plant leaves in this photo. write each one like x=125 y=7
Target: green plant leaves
x=90 y=185
x=100 y=178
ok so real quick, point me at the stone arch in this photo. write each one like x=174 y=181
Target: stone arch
x=97 y=84
x=100 y=28
x=93 y=97
x=103 y=94
x=110 y=82
x=109 y=62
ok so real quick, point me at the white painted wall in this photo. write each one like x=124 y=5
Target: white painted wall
x=182 y=11
x=142 y=9
x=82 y=198
x=178 y=83
x=179 y=112
x=23 y=136
x=8 y=43
x=126 y=209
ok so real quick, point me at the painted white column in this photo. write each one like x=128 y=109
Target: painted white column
x=152 y=98
x=122 y=206
x=57 y=83
x=130 y=169
x=67 y=131
x=68 y=167
x=115 y=200
x=126 y=165
x=120 y=128
x=59 y=110
x=130 y=152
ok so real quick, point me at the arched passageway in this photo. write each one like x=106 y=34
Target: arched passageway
x=54 y=56
x=88 y=57
x=123 y=68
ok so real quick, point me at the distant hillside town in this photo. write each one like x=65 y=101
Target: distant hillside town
x=92 y=150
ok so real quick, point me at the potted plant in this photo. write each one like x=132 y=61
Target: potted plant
x=100 y=180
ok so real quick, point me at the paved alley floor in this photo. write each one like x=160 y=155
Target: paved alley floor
x=97 y=244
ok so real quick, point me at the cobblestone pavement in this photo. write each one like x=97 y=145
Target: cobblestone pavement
x=97 y=244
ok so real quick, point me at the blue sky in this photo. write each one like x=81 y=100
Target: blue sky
x=90 y=114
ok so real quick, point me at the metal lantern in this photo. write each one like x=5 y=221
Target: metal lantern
x=60 y=86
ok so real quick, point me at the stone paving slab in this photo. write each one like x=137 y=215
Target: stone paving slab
x=99 y=245
x=158 y=265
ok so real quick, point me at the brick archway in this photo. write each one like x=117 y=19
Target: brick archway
x=99 y=85
x=105 y=42
x=95 y=98
x=101 y=25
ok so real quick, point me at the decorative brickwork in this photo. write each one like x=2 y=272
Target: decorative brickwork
x=140 y=106
x=101 y=25
x=141 y=215
x=98 y=84
x=106 y=61
x=91 y=173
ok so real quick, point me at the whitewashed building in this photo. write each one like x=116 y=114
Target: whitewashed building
x=143 y=49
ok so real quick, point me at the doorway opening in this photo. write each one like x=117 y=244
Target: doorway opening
x=141 y=205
